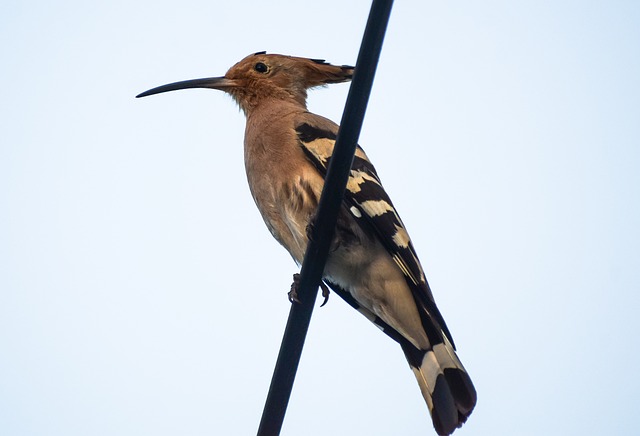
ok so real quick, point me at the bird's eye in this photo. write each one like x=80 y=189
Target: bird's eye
x=261 y=68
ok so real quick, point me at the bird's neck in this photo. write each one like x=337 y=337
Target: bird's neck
x=257 y=99
x=270 y=129
x=269 y=110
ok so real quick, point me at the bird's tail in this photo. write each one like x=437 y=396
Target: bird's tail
x=445 y=385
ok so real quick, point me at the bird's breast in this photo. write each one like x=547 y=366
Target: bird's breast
x=285 y=187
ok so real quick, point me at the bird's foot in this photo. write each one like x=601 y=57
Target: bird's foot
x=293 y=292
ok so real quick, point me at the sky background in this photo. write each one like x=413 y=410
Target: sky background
x=141 y=294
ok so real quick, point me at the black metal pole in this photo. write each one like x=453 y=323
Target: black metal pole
x=326 y=216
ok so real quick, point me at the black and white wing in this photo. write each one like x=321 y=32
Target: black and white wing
x=372 y=208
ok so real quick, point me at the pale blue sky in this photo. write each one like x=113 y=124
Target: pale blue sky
x=140 y=292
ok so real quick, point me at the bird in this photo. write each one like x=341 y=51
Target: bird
x=372 y=263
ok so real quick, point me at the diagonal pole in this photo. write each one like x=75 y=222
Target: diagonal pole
x=326 y=216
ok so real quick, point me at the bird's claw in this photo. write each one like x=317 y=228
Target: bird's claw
x=325 y=293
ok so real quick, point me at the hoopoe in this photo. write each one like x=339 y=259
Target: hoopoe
x=372 y=264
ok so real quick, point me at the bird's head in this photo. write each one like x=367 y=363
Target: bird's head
x=263 y=76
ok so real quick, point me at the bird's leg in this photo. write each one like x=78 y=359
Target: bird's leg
x=335 y=243
x=310 y=226
x=293 y=293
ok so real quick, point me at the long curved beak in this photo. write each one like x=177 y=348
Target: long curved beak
x=221 y=83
